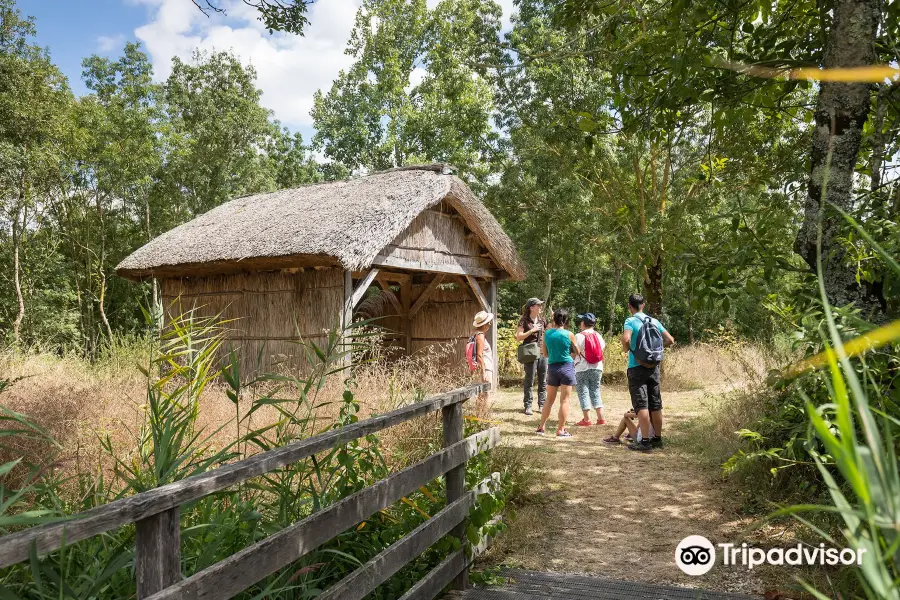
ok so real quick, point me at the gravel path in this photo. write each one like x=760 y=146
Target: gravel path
x=608 y=511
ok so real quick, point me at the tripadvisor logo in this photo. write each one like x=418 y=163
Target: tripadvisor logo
x=696 y=555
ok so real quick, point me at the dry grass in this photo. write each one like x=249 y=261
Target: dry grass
x=703 y=365
x=79 y=403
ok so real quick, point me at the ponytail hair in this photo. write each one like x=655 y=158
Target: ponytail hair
x=560 y=317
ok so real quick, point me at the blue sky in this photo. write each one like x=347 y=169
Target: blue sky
x=290 y=68
x=73 y=30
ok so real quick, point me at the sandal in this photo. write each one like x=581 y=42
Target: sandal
x=563 y=434
x=612 y=440
x=540 y=431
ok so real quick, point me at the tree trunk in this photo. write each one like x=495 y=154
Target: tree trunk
x=17 y=277
x=612 y=301
x=548 y=285
x=590 y=287
x=155 y=301
x=101 y=269
x=841 y=112
x=653 y=287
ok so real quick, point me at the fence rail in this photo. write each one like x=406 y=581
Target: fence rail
x=156 y=514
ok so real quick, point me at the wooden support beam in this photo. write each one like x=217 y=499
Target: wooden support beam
x=406 y=302
x=393 y=276
x=426 y=293
x=479 y=295
x=391 y=296
x=492 y=334
x=357 y=293
x=346 y=319
x=414 y=265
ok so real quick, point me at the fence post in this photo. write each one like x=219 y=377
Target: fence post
x=158 y=552
x=456 y=478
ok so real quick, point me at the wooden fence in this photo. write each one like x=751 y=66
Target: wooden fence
x=156 y=514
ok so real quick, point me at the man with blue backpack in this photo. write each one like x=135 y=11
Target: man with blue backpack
x=644 y=338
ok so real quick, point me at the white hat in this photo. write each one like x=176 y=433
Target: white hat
x=482 y=318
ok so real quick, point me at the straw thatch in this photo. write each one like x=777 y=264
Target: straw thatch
x=344 y=223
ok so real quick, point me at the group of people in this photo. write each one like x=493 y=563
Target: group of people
x=561 y=360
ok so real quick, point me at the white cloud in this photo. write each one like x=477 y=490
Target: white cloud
x=109 y=43
x=290 y=68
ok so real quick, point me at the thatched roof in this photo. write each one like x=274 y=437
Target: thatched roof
x=340 y=222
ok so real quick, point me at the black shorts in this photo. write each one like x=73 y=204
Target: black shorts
x=561 y=374
x=643 y=383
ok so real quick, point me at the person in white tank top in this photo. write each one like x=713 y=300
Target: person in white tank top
x=483 y=349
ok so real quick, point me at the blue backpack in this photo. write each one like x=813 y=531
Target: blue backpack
x=648 y=349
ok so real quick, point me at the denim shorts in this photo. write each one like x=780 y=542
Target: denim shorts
x=561 y=374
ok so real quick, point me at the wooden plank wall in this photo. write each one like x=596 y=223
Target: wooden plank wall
x=269 y=311
x=439 y=237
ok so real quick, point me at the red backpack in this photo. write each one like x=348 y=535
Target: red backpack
x=593 y=351
x=472 y=353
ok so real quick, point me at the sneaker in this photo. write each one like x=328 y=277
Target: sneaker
x=601 y=422
x=656 y=442
x=584 y=423
x=640 y=446
x=563 y=434
x=527 y=411
x=539 y=431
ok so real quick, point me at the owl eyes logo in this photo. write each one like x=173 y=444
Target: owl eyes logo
x=695 y=555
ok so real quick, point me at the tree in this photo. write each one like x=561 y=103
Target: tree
x=214 y=134
x=842 y=110
x=671 y=57
x=281 y=15
x=375 y=116
x=33 y=101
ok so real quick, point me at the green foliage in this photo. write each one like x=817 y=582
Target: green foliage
x=377 y=115
x=85 y=181
x=857 y=459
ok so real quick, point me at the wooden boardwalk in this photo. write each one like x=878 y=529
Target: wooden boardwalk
x=532 y=585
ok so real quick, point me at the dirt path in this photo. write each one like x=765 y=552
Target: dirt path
x=609 y=511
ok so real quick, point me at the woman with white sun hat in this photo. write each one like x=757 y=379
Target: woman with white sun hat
x=483 y=351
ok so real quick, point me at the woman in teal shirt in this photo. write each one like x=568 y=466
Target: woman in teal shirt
x=561 y=350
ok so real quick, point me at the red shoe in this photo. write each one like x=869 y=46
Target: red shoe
x=584 y=423
x=601 y=422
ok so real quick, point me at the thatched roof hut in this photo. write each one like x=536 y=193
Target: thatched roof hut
x=291 y=264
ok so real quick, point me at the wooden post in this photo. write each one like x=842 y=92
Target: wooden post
x=492 y=335
x=456 y=478
x=158 y=552
x=346 y=316
x=406 y=303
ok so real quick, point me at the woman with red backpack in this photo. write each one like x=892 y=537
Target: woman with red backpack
x=589 y=369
